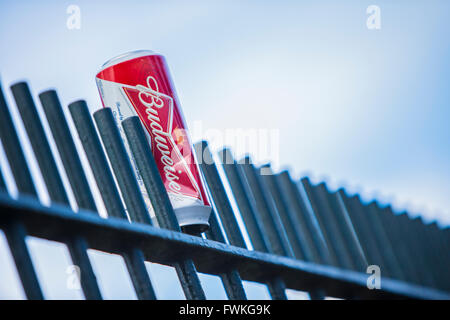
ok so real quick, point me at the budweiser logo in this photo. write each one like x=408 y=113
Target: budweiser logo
x=151 y=98
x=156 y=112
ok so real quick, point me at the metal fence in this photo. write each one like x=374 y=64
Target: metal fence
x=304 y=236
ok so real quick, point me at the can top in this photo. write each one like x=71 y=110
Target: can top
x=127 y=56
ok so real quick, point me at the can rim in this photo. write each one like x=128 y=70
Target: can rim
x=126 y=56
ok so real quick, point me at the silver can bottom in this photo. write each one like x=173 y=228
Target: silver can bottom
x=193 y=219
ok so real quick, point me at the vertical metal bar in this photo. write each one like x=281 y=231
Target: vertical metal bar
x=440 y=238
x=446 y=248
x=443 y=236
x=386 y=216
x=78 y=251
x=362 y=229
x=329 y=243
x=324 y=211
x=301 y=244
x=289 y=222
x=344 y=223
x=255 y=228
x=225 y=212
x=231 y=280
x=406 y=244
x=39 y=142
x=67 y=150
x=292 y=194
x=399 y=252
x=332 y=240
x=269 y=217
x=14 y=152
x=395 y=269
x=149 y=172
x=219 y=195
x=439 y=245
x=282 y=189
x=121 y=165
x=415 y=247
x=446 y=235
x=132 y=196
x=415 y=262
x=189 y=280
x=214 y=232
x=232 y=283
x=310 y=218
x=360 y=212
x=428 y=250
x=15 y=233
x=110 y=195
x=134 y=260
x=277 y=289
x=97 y=159
x=77 y=245
x=446 y=240
x=160 y=202
x=2 y=181
x=432 y=253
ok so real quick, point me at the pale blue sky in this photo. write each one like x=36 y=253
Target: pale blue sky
x=367 y=109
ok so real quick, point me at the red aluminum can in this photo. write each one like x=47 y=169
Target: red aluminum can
x=139 y=83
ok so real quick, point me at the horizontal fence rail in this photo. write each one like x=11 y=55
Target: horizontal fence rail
x=303 y=236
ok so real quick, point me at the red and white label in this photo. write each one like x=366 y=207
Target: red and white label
x=142 y=87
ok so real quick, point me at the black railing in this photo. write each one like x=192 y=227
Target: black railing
x=304 y=236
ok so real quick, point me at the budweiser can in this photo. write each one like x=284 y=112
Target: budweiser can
x=139 y=83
